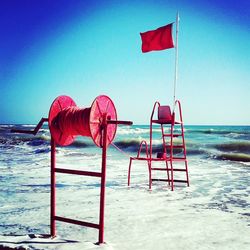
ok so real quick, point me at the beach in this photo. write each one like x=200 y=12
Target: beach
x=212 y=213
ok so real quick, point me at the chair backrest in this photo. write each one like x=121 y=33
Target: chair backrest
x=164 y=113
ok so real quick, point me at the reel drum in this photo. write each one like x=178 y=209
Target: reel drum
x=66 y=120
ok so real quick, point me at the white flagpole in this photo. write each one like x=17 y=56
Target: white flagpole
x=176 y=58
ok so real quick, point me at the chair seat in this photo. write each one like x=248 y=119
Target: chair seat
x=162 y=121
x=165 y=121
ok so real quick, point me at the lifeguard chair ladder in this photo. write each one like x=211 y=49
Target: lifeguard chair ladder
x=173 y=151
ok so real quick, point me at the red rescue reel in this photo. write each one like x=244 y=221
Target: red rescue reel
x=66 y=120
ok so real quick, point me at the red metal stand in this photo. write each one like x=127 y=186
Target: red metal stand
x=101 y=175
x=167 y=122
x=67 y=121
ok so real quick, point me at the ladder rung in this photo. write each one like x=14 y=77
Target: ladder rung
x=169 y=169
x=183 y=181
x=177 y=169
x=77 y=222
x=77 y=172
x=167 y=159
x=160 y=169
x=160 y=180
x=174 y=135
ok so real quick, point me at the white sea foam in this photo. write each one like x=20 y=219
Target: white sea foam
x=204 y=216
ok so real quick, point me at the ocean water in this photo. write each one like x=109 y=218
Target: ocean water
x=213 y=213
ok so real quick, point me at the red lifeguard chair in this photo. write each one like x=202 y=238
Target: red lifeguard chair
x=173 y=150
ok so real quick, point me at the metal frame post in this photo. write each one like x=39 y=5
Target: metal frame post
x=103 y=180
x=53 y=189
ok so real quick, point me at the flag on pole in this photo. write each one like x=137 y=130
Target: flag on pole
x=158 y=39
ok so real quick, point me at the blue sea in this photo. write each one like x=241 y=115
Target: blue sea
x=221 y=143
x=217 y=202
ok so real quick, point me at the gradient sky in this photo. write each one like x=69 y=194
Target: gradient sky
x=87 y=48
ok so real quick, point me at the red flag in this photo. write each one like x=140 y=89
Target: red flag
x=158 y=39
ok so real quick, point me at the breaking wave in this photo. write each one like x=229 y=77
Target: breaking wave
x=217 y=142
x=234 y=157
x=239 y=146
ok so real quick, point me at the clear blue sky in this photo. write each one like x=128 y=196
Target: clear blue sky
x=87 y=48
